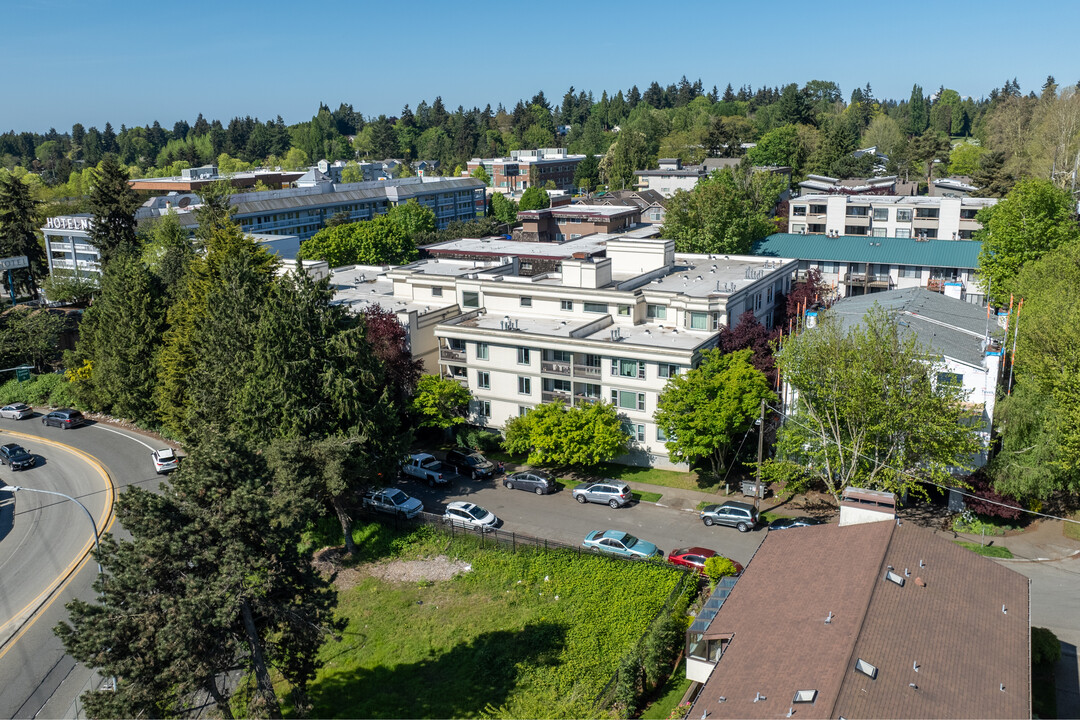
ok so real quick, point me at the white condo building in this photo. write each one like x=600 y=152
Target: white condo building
x=612 y=328
x=894 y=216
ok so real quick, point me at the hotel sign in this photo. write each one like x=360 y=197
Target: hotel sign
x=68 y=223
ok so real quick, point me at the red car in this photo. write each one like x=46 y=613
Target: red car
x=695 y=558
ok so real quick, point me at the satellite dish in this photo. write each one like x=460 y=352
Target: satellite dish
x=323 y=166
x=184 y=202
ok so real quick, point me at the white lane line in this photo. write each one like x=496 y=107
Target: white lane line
x=123 y=434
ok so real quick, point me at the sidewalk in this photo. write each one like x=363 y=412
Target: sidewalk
x=1043 y=541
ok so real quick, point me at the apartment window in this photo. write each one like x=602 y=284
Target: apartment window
x=768 y=295
x=526 y=301
x=661 y=436
x=566 y=305
x=523 y=410
x=524 y=386
x=562 y=356
x=483 y=409
x=627 y=368
x=965 y=234
x=881 y=214
x=757 y=301
x=457 y=344
x=655 y=215
x=878 y=232
x=458 y=371
x=470 y=299
x=524 y=356
x=481 y=351
x=700 y=320
x=903 y=215
x=928 y=233
x=665 y=370
x=818 y=209
x=903 y=232
x=830 y=267
x=656 y=312
x=858 y=210
x=798 y=229
x=628 y=400
x=436 y=292
x=925 y=213
x=854 y=230
x=595 y=307
x=483 y=379
x=624 y=310
x=636 y=432
x=559 y=386
x=968 y=214
x=799 y=210
x=908 y=271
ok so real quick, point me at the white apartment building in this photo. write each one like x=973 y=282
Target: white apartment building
x=614 y=328
x=670 y=177
x=895 y=216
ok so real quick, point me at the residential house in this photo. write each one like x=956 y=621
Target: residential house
x=569 y=222
x=652 y=204
x=875 y=617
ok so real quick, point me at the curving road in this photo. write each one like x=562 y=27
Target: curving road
x=44 y=553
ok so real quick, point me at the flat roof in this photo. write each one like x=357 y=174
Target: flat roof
x=501 y=247
x=359 y=286
x=862 y=248
x=894 y=199
x=600 y=211
x=702 y=275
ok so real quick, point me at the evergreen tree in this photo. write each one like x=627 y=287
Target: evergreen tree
x=123 y=333
x=211 y=580
x=113 y=203
x=18 y=231
x=918 y=113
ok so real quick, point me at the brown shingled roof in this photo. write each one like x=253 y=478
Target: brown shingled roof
x=951 y=625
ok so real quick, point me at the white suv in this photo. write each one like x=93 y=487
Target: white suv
x=165 y=460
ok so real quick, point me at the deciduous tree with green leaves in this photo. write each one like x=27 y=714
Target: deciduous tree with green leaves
x=1035 y=218
x=725 y=213
x=705 y=411
x=369 y=242
x=481 y=174
x=534 y=198
x=440 y=402
x=868 y=410
x=504 y=209
x=553 y=434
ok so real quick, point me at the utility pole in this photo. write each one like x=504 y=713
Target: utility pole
x=760 y=451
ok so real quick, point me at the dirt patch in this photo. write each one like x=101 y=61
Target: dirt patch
x=329 y=561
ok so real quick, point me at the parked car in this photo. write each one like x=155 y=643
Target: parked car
x=425 y=467
x=64 y=418
x=793 y=522
x=165 y=460
x=695 y=558
x=612 y=492
x=536 y=481
x=743 y=516
x=617 y=542
x=470 y=516
x=16 y=456
x=470 y=464
x=393 y=501
x=16 y=411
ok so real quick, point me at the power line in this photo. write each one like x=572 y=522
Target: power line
x=931 y=482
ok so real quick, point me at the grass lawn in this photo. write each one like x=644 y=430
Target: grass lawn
x=1072 y=529
x=673 y=691
x=654 y=476
x=526 y=634
x=986 y=550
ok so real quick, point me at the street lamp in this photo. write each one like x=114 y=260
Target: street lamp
x=17 y=488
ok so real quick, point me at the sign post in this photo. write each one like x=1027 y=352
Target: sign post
x=9 y=264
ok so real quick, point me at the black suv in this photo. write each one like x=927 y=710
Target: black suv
x=16 y=456
x=64 y=418
x=470 y=464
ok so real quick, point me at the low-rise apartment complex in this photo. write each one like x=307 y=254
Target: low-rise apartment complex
x=858 y=265
x=569 y=222
x=615 y=328
x=524 y=168
x=893 y=216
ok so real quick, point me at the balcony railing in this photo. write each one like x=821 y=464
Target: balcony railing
x=554 y=395
x=555 y=368
x=587 y=371
x=450 y=354
x=868 y=279
x=938 y=284
x=463 y=381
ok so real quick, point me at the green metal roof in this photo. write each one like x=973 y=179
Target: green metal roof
x=863 y=249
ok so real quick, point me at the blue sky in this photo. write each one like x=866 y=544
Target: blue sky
x=67 y=61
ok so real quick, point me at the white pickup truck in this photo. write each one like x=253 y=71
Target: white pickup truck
x=426 y=468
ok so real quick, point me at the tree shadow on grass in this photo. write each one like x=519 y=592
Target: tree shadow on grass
x=458 y=683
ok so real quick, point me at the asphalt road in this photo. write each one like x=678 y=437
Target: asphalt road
x=43 y=544
x=559 y=517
